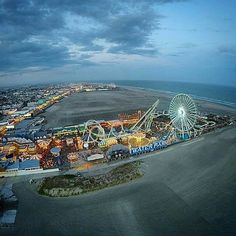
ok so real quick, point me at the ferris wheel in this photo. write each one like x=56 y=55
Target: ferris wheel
x=183 y=113
x=93 y=131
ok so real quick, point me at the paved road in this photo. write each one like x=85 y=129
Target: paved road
x=189 y=189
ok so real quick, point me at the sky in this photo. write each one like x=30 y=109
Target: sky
x=44 y=41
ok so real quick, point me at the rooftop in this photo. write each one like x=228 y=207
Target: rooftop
x=28 y=164
x=24 y=124
x=13 y=166
x=8 y=217
x=55 y=150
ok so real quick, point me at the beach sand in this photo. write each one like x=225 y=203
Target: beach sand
x=106 y=105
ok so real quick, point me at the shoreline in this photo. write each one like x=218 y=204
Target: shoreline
x=196 y=97
x=98 y=105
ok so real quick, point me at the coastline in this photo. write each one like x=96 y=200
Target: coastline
x=106 y=105
x=196 y=97
x=213 y=103
x=212 y=92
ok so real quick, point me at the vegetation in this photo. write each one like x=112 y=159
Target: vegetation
x=68 y=185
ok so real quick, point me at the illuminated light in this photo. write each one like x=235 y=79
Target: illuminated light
x=181 y=111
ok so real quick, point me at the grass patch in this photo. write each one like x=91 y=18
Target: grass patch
x=68 y=185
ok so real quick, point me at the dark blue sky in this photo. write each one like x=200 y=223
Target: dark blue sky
x=43 y=41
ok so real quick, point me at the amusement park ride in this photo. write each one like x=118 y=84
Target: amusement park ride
x=183 y=115
x=182 y=118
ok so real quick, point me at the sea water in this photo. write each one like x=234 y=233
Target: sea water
x=214 y=93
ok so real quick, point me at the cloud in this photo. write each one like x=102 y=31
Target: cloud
x=26 y=54
x=43 y=33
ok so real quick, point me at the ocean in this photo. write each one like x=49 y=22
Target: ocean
x=214 y=93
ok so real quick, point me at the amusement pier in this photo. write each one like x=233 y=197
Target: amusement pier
x=27 y=147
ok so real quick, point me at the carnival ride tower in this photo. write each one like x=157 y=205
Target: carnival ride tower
x=146 y=120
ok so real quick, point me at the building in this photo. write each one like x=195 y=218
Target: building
x=25 y=124
x=20 y=113
x=23 y=148
x=29 y=165
x=55 y=151
x=31 y=149
x=73 y=157
x=40 y=134
x=44 y=144
x=26 y=128
x=24 y=165
x=8 y=218
x=117 y=151
x=13 y=166
x=4 y=122
x=69 y=142
x=95 y=157
x=40 y=101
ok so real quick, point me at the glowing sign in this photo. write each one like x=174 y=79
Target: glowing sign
x=148 y=148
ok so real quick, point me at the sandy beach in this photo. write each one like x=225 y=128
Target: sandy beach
x=105 y=105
